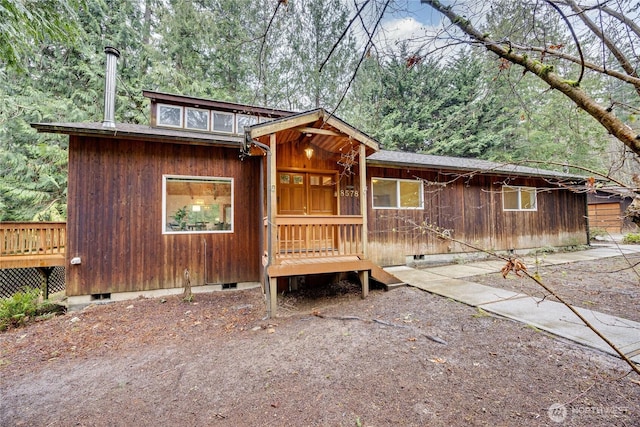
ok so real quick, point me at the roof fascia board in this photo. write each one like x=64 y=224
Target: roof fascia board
x=275 y=126
x=497 y=172
x=350 y=131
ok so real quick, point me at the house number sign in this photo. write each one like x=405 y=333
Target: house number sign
x=349 y=193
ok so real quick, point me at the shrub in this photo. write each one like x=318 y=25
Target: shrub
x=633 y=238
x=17 y=309
x=595 y=232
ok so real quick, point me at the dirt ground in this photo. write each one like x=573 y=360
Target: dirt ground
x=398 y=358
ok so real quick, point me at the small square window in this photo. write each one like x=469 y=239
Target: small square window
x=222 y=122
x=397 y=193
x=197 y=119
x=519 y=198
x=245 y=120
x=169 y=115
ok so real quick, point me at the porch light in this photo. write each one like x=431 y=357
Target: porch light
x=308 y=152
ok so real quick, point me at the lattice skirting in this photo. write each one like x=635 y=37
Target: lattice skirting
x=17 y=279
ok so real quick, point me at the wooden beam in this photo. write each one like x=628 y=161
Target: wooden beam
x=29 y=261
x=284 y=124
x=351 y=131
x=364 y=280
x=363 y=198
x=303 y=269
x=306 y=129
x=272 y=228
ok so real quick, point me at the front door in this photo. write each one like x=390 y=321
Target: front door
x=307 y=193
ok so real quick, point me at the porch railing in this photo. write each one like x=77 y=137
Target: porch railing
x=311 y=236
x=32 y=238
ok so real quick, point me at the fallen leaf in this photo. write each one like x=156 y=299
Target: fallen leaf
x=438 y=360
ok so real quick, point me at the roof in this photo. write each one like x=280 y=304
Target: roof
x=320 y=128
x=414 y=160
x=141 y=132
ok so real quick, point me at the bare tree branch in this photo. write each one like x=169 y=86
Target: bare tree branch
x=342 y=36
x=603 y=115
x=575 y=38
x=635 y=81
x=617 y=53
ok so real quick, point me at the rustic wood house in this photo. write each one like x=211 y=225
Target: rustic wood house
x=238 y=195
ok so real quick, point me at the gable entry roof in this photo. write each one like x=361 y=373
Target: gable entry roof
x=323 y=130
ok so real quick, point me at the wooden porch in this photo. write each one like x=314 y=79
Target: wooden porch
x=315 y=198
x=32 y=244
x=318 y=244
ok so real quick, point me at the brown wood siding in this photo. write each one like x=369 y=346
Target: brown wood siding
x=115 y=210
x=470 y=209
x=606 y=216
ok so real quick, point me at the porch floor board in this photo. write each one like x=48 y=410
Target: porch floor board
x=318 y=265
x=28 y=261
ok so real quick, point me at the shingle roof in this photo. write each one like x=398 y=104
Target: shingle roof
x=414 y=160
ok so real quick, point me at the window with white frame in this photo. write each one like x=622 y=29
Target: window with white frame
x=397 y=193
x=519 y=198
x=245 y=120
x=169 y=115
x=197 y=204
x=197 y=119
x=222 y=122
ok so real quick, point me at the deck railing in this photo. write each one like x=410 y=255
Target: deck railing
x=314 y=236
x=32 y=238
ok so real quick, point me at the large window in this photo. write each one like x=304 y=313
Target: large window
x=519 y=198
x=396 y=193
x=197 y=204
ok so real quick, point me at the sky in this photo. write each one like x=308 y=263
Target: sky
x=404 y=20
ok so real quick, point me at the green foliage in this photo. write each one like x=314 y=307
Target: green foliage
x=16 y=310
x=631 y=238
x=25 y=24
x=595 y=232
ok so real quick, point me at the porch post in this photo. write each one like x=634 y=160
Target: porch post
x=364 y=275
x=363 y=199
x=272 y=228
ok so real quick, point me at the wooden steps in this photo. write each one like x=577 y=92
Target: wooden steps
x=389 y=281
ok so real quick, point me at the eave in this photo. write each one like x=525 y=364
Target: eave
x=141 y=133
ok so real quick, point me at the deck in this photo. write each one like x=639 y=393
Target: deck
x=32 y=244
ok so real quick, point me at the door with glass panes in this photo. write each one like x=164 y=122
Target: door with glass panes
x=307 y=193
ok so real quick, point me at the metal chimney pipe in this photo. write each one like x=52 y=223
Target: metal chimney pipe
x=110 y=87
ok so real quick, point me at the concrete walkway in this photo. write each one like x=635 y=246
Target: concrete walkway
x=550 y=316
